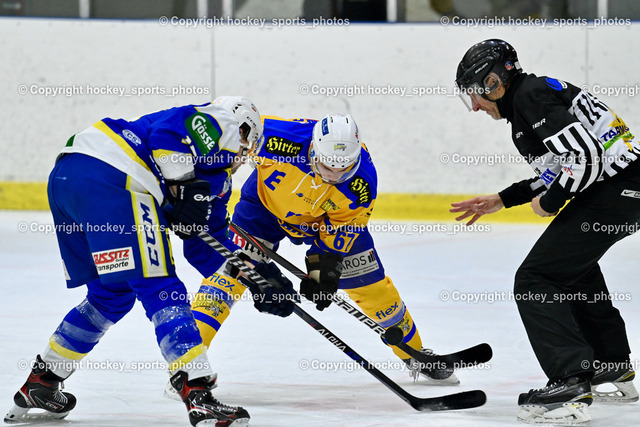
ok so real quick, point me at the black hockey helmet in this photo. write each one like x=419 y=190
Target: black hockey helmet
x=481 y=60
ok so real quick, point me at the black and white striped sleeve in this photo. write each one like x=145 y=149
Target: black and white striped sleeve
x=522 y=192
x=581 y=156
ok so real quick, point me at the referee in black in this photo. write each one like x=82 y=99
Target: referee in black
x=581 y=152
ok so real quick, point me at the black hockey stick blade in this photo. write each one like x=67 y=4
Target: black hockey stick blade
x=464 y=400
x=468 y=357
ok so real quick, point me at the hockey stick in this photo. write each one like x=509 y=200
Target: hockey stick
x=466 y=399
x=480 y=353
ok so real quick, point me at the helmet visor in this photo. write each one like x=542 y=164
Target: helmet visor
x=471 y=93
x=333 y=175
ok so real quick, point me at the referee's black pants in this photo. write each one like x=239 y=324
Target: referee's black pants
x=560 y=291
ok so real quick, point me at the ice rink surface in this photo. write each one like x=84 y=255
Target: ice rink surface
x=283 y=372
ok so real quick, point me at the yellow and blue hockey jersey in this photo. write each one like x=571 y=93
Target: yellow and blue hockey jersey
x=305 y=206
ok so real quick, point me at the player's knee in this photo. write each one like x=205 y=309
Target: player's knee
x=111 y=307
x=379 y=300
x=159 y=292
x=176 y=331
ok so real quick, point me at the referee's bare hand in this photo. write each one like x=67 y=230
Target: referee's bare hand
x=477 y=207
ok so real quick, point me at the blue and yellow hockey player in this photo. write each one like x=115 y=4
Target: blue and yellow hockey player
x=315 y=184
x=118 y=186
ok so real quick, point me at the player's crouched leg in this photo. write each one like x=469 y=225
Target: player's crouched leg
x=213 y=302
x=166 y=305
x=75 y=337
x=381 y=301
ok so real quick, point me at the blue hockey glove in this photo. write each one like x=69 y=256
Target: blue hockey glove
x=278 y=299
x=324 y=271
x=189 y=208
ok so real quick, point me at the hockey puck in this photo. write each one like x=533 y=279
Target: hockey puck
x=394 y=335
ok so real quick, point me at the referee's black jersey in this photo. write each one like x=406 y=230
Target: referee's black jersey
x=569 y=137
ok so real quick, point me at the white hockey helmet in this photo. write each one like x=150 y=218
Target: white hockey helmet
x=247 y=116
x=335 y=144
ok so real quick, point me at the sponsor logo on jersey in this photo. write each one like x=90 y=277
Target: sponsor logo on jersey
x=548 y=176
x=328 y=205
x=306 y=199
x=131 y=137
x=203 y=198
x=631 y=193
x=538 y=124
x=282 y=147
x=359 y=264
x=404 y=325
x=381 y=314
x=616 y=127
x=209 y=302
x=519 y=134
x=204 y=132
x=555 y=84
x=114 y=260
x=361 y=189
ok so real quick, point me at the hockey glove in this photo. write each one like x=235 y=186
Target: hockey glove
x=324 y=276
x=189 y=208
x=278 y=299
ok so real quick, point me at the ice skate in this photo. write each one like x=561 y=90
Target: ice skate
x=614 y=385
x=436 y=373
x=171 y=393
x=563 y=402
x=41 y=391
x=204 y=409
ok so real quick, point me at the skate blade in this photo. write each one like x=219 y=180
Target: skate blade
x=569 y=414
x=171 y=393
x=240 y=422
x=625 y=392
x=452 y=380
x=18 y=414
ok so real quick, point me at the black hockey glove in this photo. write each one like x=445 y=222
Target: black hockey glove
x=189 y=208
x=324 y=270
x=278 y=299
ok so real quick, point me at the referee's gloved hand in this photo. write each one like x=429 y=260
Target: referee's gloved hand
x=324 y=270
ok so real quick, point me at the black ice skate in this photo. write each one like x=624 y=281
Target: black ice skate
x=621 y=379
x=203 y=408
x=41 y=391
x=436 y=373
x=563 y=402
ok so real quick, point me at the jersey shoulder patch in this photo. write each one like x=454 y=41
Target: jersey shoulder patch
x=555 y=84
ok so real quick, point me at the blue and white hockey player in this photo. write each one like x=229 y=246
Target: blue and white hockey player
x=165 y=169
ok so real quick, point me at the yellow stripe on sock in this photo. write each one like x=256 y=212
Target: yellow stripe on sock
x=64 y=352
x=187 y=357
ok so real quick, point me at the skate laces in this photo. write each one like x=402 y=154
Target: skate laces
x=415 y=367
x=550 y=385
x=218 y=405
